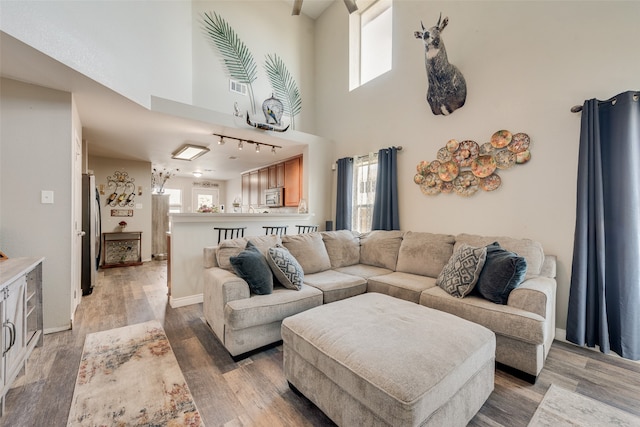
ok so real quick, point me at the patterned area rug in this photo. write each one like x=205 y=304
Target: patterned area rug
x=130 y=376
x=561 y=407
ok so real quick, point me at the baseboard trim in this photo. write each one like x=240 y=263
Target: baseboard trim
x=184 y=301
x=56 y=329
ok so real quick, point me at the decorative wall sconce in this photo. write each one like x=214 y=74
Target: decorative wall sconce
x=101 y=189
x=139 y=190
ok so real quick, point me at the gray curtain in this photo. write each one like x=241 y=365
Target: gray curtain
x=385 y=206
x=604 y=300
x=344 y=194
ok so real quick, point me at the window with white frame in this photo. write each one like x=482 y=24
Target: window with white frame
x=204 y=198
x=370 y=41
x=365 y=172
x=175 y=199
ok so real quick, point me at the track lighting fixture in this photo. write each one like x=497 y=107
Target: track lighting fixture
x=241 y=142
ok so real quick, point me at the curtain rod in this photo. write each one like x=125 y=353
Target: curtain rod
x=399 y=148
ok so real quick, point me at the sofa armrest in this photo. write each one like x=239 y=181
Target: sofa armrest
x=220 y=287
x=224 y=285
x=536 y=295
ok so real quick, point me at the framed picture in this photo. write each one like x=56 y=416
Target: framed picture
x=121 y=212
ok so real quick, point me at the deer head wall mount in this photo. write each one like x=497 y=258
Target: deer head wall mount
x=447 y=88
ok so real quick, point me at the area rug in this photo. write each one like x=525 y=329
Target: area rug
x=130 y=377
x=561 y=407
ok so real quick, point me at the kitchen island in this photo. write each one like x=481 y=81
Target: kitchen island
x=191 y=232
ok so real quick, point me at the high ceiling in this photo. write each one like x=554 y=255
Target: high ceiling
x=116 y=127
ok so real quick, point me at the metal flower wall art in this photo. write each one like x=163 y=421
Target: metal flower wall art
x=464 y=167
x=240 y=66
x=447 y=88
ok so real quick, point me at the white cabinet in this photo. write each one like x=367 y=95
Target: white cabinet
x=21 y=316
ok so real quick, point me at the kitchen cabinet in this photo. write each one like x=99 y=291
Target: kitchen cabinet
x=246 y=188
x=254 y=188
x=21 y=315
x=276 y=175
x=292 y=181
x=287 y=175
x=263 y=185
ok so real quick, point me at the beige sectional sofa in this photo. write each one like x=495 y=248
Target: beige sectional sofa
x=403 y=264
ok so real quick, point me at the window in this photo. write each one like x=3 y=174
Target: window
x=365 y=171
x=370 y=42
x=175 y=199
x=205 y=197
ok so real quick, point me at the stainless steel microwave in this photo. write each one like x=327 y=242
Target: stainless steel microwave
x=274 y=197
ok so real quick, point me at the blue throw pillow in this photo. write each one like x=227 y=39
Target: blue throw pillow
x=251 y=265
x=503 y=271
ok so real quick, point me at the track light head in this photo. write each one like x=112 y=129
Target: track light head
x=240 y=145
x=257 y=148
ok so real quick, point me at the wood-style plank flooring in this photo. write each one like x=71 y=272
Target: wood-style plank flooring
x=254 y=392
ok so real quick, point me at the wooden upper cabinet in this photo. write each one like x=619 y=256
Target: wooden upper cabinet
x=287 y=175
x=292 y=181
x=263 y=184
x=254 y=188
x=246 y=189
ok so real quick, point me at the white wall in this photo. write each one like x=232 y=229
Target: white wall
x=137 y=48
x=526 y=64
x=36 y=146
x=186 y=185
x=104 y=167
x=265 y=27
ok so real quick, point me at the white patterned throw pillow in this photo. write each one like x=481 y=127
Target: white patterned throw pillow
x=285 y=267
x=461 y=273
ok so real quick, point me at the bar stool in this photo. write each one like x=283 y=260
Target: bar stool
x=307 y=228
x=229 y=232
x=275 y=229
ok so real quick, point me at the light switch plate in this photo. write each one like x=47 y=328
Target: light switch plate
x=46 y=197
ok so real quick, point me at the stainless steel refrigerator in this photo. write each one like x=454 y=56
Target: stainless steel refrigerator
x=91 y=225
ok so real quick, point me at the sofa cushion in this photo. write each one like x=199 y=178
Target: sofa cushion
x=263 y=309
x=503 y=271
x=232 y=247
x=285 y=267
x=461 y=273
x=380 y=248
x=335 y=285
x=363 y=270
x=501 y=319
x=529 y=249
x=425 y=254
x=343 y=247
x=401 y=285
x=251 y=265
x=309 y=250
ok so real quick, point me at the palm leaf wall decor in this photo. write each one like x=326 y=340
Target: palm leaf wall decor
x=235 y=54
x=284 y=86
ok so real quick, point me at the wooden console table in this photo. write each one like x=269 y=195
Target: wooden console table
x=122 y=249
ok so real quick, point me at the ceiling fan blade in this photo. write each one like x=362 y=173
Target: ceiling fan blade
x=297 y=7
x=351 y=5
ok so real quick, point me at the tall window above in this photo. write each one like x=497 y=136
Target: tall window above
x=370 y=41
x=365 y=172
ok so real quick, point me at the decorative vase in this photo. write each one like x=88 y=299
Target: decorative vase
x=272 y=109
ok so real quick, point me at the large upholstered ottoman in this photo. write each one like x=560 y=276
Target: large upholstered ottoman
x=375 y=360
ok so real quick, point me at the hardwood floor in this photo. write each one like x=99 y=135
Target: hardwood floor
x=254 y=392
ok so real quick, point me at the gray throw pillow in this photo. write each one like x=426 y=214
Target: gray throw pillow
x=461 y=273
x=251 y=265
x=503 y=271
x=285 y=267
